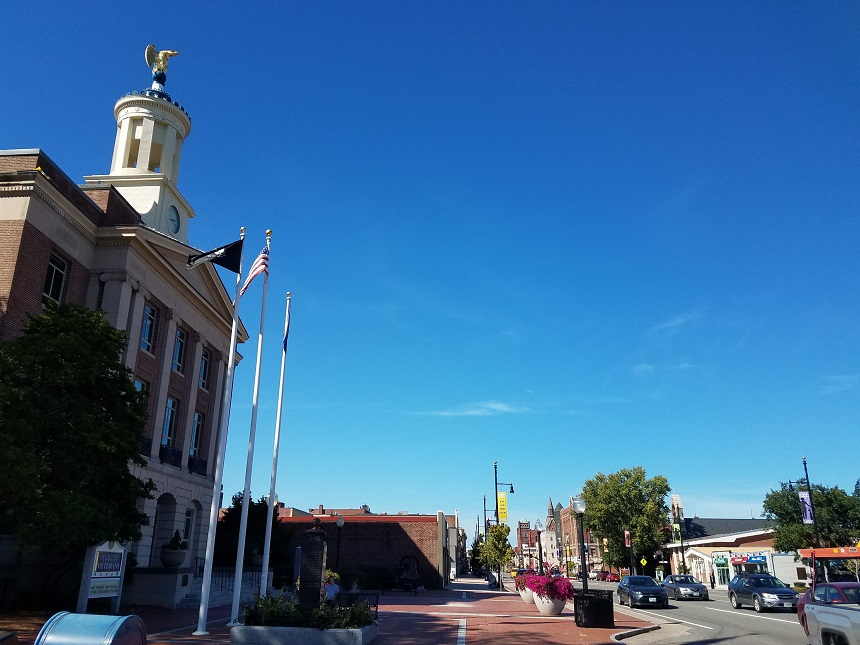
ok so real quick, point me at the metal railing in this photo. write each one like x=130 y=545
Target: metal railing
x=224 y=577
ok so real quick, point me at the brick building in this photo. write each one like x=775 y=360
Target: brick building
x=375 y=545
x=118 y=243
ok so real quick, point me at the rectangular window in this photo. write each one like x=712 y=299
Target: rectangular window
x=147 y=328
x=141 y=386
x=205 y=361
x=196 y=433
x=55 y=280
x=179 y=351
x=171 y=415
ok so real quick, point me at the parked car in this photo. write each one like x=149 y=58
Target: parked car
x=830 y=593
x=683 y=587
x=613 y=577
x=761 y=590
x=641 y=590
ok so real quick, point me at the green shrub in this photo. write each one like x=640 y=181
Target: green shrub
x=284 y=611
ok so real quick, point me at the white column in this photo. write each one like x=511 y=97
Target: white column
x=192 y=374
x=159 y=389
x=135 y=321
x=122 y=145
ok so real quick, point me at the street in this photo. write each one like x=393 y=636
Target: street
x=713 y=621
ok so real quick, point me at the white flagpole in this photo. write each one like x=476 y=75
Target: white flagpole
x=264 y=579
x=226 y=399
x=243 y=525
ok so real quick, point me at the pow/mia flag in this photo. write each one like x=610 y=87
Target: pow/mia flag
x=229 y=257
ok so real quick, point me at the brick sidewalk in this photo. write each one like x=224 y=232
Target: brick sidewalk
x=468 y=609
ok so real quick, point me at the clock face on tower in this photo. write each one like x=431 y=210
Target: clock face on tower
x=172 y=220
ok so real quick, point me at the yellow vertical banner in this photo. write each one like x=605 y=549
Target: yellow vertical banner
x=503 y=507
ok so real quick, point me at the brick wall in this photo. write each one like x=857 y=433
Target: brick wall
x=24 y=255
x=13 y=163
x=375 y=544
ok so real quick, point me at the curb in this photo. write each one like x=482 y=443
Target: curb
x=617 y=638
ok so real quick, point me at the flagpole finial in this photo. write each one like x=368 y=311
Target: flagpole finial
x=288 y=294
x=268 y=232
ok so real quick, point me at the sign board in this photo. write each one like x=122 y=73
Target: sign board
x=643 y=562
x=503 y=507
x=627 y=539
x=722 y=560
x=104 y=567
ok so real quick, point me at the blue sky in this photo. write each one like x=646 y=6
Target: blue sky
x=571 y=237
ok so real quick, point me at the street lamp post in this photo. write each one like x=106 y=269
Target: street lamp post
x=496 y=493
x=811 y=506
x=579 y=509
x=538 y=529
x=496 y=483
x=567 y=554
x=339 y=527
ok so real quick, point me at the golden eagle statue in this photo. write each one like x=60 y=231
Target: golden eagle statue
x=158 y=59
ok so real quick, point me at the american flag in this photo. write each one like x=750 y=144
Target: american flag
x=261 y=265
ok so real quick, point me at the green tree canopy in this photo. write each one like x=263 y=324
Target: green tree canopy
x=497 y=551
x=627 y=500
x=477 y=546
x=71 y=424
x=837 y=516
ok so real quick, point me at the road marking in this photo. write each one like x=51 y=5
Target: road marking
x=743 y=613
x=670 y=619
x=461 y=632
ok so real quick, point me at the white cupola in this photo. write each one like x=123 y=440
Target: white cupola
x=151 y=129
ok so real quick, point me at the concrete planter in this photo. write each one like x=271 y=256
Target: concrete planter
x=244 y=635
x=549 y=606
x=527 y=595
x=172 y=558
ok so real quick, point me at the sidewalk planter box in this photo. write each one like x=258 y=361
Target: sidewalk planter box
x=549 y=606
x=594 y=609
x=527 y=595
x=244 y=635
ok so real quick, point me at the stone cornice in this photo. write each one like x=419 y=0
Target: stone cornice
x=32 y=190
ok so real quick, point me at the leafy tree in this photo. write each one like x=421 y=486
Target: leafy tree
x=497 y=550
x=627 y=500
x=227 y=537
x=837 y=516
x=71 y=424
x=477 y=545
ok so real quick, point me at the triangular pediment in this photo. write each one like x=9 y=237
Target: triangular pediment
x=201 y=286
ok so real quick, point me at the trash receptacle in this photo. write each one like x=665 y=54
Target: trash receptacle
x=66 y=628
x=594 y=609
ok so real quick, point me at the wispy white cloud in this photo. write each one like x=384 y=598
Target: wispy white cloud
x=840 y=383
x=480 y=409
x=643 y=368
x=674 y=324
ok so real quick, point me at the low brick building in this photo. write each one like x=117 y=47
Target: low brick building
x=370 y=547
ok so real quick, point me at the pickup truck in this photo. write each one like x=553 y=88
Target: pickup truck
x=833 y=624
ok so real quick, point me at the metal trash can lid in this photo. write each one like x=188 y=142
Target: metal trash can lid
x=65 y=628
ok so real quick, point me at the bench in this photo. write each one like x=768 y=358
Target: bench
x=349 y=598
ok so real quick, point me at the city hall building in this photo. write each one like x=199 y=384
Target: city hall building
x=119 y=243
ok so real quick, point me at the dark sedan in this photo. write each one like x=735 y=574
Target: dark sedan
x=684 y=587
x=642 y=590
x=830 y=593
x=762 y=591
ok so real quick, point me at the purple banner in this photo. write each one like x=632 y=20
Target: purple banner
x=805 y=506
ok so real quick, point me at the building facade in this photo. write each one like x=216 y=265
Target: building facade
x=118 y=243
